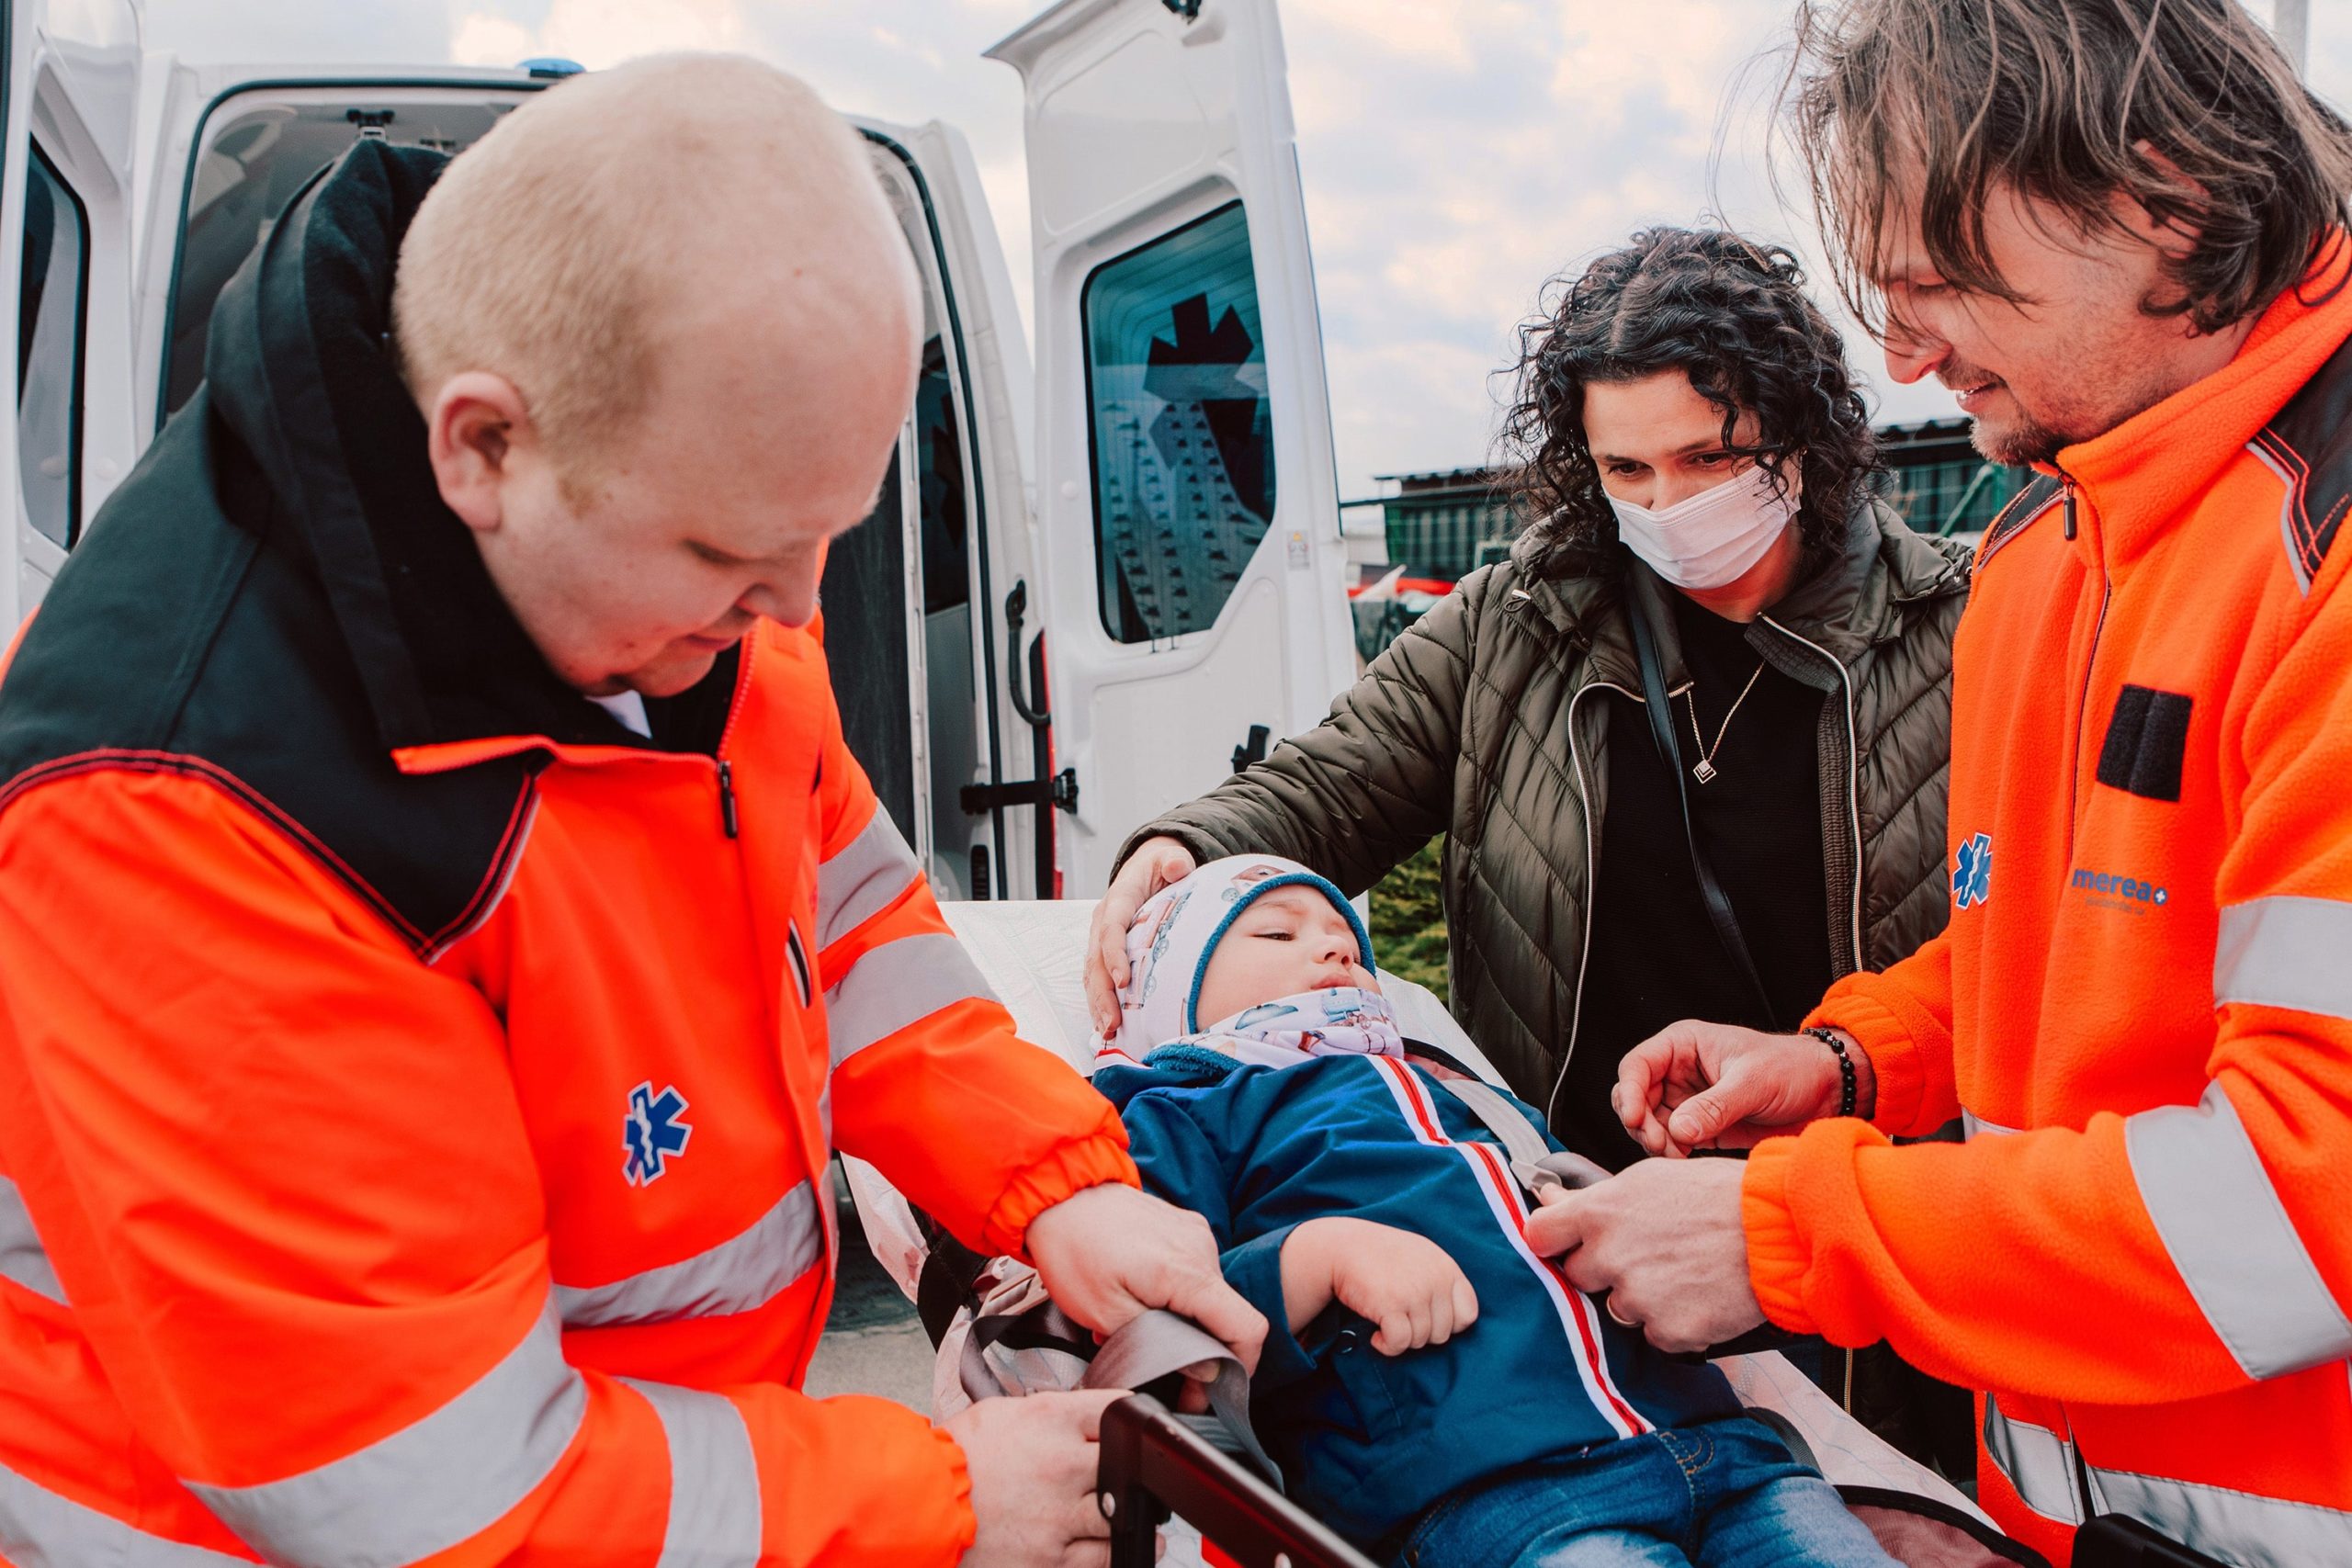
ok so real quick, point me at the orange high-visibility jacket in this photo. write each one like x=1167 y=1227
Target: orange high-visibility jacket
x=2143 y=1006
x=415 y=1088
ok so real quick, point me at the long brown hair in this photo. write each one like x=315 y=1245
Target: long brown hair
x=1938 y=101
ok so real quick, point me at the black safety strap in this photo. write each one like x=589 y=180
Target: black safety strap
x=1661 y=718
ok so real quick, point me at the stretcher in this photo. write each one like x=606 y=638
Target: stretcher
x=1152 y=1464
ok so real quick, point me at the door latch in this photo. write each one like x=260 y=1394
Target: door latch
x=1059 y=791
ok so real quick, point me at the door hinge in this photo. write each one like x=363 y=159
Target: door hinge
x=1061 y=791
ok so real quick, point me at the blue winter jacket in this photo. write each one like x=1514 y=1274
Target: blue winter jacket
x=1367 y=1442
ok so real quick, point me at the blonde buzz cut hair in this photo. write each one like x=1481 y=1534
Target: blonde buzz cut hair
x=547 y=251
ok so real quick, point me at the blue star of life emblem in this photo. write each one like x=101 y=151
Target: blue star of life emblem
x=652 y=1133
x=1972 y=871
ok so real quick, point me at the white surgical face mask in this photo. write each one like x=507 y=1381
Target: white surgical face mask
x=1710 y=538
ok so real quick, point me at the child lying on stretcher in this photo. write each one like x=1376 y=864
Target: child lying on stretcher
x=1429 y=1387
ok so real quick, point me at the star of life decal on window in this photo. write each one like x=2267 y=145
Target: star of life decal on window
x=651 y=1133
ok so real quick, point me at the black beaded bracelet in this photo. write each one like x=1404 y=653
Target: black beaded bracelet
x=1846 y=1091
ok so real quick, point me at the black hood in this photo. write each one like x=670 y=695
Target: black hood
x=301 y=370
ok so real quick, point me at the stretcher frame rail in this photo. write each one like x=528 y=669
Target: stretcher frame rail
x=1151 y=1465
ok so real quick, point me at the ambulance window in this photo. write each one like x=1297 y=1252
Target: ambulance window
x=864 y=593
x=255 y=162
x=953 y=740
x=1181 y=430
x=49 y=351
x=946 y=555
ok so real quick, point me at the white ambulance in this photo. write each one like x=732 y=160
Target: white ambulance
x=1109 y=568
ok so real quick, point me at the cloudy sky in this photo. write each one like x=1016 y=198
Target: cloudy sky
x=1455 y=152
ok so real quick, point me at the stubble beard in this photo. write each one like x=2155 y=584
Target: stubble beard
x=2018 y=442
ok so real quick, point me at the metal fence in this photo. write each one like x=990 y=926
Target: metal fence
x=1438 y=532
x=1955 y=496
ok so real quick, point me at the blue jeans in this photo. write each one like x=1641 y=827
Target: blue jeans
x=1726 y=1494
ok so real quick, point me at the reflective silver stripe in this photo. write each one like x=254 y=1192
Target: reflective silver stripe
x=2286 y=952
x=2039 y=1463
x=434 y=1482
x=740 y=1274
x=22 y=1257
x=860 y=883
x=39 y=1529
x=2225 y=1230
x=2287 y=507
x=714 y=1479
x=895 y=984
x=1972 y=1125
x=2239 y=1528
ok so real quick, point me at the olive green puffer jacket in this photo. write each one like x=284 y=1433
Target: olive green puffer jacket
x=1485 y=722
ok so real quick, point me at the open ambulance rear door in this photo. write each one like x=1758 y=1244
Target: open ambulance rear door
x=1187 y=507
x=71 y=109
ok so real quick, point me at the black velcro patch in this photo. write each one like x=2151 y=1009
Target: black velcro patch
x=2146 y=741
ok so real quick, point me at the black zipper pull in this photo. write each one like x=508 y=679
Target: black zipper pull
x=727 y=798
x=2070 y=508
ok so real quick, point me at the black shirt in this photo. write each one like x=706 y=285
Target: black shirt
x=1654 y=957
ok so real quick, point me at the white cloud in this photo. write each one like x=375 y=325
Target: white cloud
x=1432 y=33
x=482 y=39
x=1455 y=152
x=603 y=32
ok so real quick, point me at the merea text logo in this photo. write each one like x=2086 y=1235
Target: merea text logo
x=2111 y=890
x=1972 y=871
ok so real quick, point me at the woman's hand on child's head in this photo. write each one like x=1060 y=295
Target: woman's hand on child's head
x=1406 y=1285
x=1157 y=862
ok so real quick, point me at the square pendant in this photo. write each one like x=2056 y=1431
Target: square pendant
x=1702 y=770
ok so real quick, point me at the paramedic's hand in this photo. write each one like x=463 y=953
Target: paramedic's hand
x=1662 y=1237
x=1697 y=1086
x=1111 y=1253
x=1032 y=1465
x=1406 y=1285
x=1155 y=865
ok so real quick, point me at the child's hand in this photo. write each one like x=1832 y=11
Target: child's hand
x=1405 y=1284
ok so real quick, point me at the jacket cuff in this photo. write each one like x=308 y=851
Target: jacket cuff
x=1254 y=1269
x=1902 y=1040
x=856 y=1481
x=1777 y=1253
x=1091 y=1161
x=953 y=1490
x=1802 y=1207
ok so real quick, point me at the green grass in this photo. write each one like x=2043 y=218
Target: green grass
x=1408 y=921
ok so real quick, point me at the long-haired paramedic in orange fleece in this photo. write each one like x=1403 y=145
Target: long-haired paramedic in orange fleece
x=2116 y=229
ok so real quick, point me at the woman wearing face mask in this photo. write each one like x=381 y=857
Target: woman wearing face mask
x=1697 y=466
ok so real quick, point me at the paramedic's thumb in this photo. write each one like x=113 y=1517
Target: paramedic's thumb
x=1556 y=1228
x=1699 y=1120
x=1033 y=1464
x=1111 y=1253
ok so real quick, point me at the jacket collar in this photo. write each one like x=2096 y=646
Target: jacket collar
x=2134 y=481
x=1850 y=603
x=299 y=370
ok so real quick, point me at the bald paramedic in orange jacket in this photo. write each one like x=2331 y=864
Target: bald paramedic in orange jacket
x=416 y=1078
x=2143 y=1006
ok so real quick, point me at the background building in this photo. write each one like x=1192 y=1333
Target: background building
x=1434 y=527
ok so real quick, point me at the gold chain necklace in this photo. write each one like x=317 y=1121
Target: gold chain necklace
x=1704 y=768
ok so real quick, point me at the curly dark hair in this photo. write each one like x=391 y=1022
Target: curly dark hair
x=1731 y=314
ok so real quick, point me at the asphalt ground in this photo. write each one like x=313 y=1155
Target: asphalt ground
x=873 y=1343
